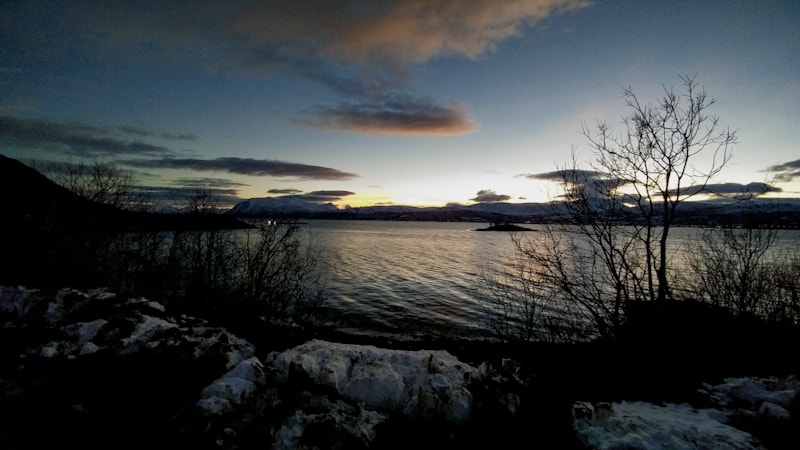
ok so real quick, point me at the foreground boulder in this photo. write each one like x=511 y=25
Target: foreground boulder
x=728 y=415
x=423 y=384
x=645 y=426
x=81 y=323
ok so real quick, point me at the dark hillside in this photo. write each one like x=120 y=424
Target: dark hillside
x=34 y=202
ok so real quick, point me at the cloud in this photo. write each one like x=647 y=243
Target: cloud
x=284 y=191
x=731 y=189
x=313 y=196
x=490 y=196
x=149 y=132
x=256 y=33
x=207 y=182
x=323 y=196
x=558 y=175
x=395 y=115
x=363 y=51
x=787 y=171
x=245 y=166
x=72 y=139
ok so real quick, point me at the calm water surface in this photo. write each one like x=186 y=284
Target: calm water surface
x=408 y=277
x=417 y=278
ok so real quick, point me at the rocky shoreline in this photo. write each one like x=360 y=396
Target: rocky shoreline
x=91 y=369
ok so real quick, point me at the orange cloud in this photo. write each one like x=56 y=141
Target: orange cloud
x=370 y=32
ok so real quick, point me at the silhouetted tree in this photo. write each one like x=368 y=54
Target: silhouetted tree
x=609 y=246
x=746 y=271
x=98 y=181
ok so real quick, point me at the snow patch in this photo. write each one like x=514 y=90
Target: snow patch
x=49 y=350
x=351 y=424
x=16 y=300
x=145 y=332
x=85 y=331
x=752 y=392
x=637 y=425
x=425 y=383
x=232 y=389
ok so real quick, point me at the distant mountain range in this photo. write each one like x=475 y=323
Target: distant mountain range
x=757 y=212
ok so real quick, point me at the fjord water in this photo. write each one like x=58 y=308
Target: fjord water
x=423 y=278
x=408 y=277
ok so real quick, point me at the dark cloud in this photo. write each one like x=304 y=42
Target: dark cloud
x=337 y=194
x=395 y=115
x=601 y=184
x=75 y=139
x=284 y=191
x=787 y=171
x=731 y=189
x=245 y=166
x=558 y=175
x=313 y=196
x=323 y=196
x=206 y=182
x=490 y=196
x=148 y=132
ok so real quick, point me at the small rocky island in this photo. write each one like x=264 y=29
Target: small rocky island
x=504 y=226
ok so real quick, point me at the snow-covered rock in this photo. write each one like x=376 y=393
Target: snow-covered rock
x=644 y=426
x=235 y=349
x=147 y=333
x=95 y=320
x=85 y=331
x=773 y=411
x=232 y=389
x=750 y=393
x=414 y=383
x=638 y=425
x=18 y=300
x=348 y=425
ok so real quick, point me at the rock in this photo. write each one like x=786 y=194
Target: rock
x=429 y=384
x=232 y=389
x=749 y=393
x=334 y=425
x=49 y=350
x=146 y=334
x=18 y=301
x=85 y=331
x=772 y=411
x=638 y=425
x=231 y=348
x=582 y=411
x=89 y=348
x=603 y=410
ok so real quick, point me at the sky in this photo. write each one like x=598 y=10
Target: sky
x=385 y=102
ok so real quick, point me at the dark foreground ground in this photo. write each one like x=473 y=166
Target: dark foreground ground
x=147 y=399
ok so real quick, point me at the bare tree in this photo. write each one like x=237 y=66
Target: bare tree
x=515 y=300
x=608 y=245
x=652 y=165
x=747 y=271
x=98 y=181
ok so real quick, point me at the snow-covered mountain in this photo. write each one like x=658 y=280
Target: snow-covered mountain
x=267 y=206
